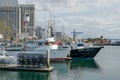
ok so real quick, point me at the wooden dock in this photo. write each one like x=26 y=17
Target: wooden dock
x=30 y=61
x=21 y=68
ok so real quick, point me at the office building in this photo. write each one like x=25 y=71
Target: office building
x=12 y=18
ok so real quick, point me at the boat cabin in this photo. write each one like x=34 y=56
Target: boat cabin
x=46 y=43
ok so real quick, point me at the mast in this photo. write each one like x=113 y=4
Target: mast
x=52 y=26
x=74 y=35
x=50 y=31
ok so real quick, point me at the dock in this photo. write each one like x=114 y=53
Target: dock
x=21 y=68
x=109 y=44
x=29 y=61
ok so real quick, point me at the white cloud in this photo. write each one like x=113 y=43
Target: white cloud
x=95 y=17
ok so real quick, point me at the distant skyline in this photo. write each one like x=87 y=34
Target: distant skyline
x=92 y=17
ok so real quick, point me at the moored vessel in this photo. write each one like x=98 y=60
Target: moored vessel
x=80 y=50
x=56 y=54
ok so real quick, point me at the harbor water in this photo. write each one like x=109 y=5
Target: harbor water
x=105 y=66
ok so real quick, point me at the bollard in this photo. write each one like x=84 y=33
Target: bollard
x=48 y=58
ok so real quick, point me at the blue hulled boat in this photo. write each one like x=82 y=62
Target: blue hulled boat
x=82 y=50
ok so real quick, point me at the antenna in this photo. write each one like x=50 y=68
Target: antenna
x=74 y=34
x=52 y=18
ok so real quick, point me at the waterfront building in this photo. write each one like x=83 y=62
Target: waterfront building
x=27 y=18
x=9 y=16
x=12 y=18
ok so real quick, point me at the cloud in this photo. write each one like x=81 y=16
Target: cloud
x=93 y=17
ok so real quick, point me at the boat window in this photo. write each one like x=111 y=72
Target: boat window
x=46 y=43
x=39 y=43
x=79 y=44
x=51 y=43
x=43 y=44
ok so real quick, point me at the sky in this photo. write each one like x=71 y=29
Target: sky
x=92 y=17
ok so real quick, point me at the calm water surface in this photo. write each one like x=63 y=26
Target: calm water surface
x=105 y=66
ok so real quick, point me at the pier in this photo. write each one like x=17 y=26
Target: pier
x=31 y=61
x=21 y=68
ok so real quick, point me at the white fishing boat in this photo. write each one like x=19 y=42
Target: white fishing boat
x=56 y=54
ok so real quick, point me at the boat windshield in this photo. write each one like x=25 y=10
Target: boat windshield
x=46 y=43
x=49 y=43
x=80 y=44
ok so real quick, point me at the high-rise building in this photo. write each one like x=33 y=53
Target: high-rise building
x=27 y=18
x=12 y=16
x=9 y=16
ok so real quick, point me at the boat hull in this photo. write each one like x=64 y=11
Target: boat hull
x=55 y=54
x=58 y=54
x=89 y=52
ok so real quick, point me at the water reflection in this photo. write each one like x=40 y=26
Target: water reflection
x=68 y=70
x=6 y=75
x=75 y=64
x=83 y=64
x=74 y=69
x=20 y=75
x=33 y=76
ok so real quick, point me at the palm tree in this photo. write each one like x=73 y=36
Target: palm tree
x=5 y=29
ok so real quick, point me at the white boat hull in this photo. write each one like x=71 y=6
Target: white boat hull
x=55 y=54
x=58 y=54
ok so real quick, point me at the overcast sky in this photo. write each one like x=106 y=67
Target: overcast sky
x=92 y=17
